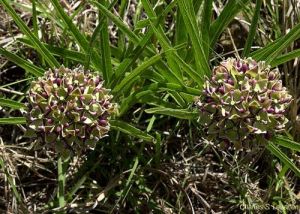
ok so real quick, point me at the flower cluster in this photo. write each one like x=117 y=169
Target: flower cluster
x=243 y=101
x=69 y=108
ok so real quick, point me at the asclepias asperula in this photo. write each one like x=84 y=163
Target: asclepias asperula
x=69 y=109
x=243 y=102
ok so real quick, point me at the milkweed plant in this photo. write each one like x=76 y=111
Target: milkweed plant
x=243 y=102
x=68 y=110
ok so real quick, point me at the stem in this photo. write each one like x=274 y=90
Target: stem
x=61 y=182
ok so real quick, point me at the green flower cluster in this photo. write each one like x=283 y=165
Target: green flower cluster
x=243 y=102
x=69 y=109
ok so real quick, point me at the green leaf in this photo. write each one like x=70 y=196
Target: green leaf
x=61 y=178
x=24 y=28
x=285 y=58
x=174 y=60
x=122 y=26
x=130 y=129
x=173 y=86
x=11 y=103
x=80 y=38
x=82 y=41
x=162 y=37
x=279 y=154
x=127 y=187
x=128 y=62
x=230 y=10
x=189 y=18
x=27 y=66
x=205 y=25
x=105 y=50
x=11 y=181
x=64 y=53
x=181 y=35
x=286 y=142
x=272 y=50
x=153 y=88
x=178 y=113
x=96 y=32
x=117 y=21
x=253 y=28
x=198 y=76
x=175 y=74
x=136 y=72
x=13 y=120
x=140 y=43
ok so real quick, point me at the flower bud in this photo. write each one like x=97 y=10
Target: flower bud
x=65 y=111
x=249 y=104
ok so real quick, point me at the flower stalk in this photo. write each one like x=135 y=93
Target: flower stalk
x=61 y=182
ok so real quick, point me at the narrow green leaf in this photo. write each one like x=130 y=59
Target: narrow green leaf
x=279 y=154
x=61 y=52
x=169 y=54
x=178 y=113
x=122 y=26
x=151 y=123
x=151 y=99
x=24 y=28
x=129 y=61
x=285 y=58
x=117 y=21
x=11 y=103
x=34 y=19
x=27 y=66
x=132 y=99
x=136 y=72
x=148 y=8
x=181 y=35
x=198 y=77
x=178 y=99
x=163 y=39
x=13 y=120
x=173 y=86
x=130 y=129
x=136 y=40
x=136 y=53
x=11 y=182
x=189 y=18
x=151 y=89
x=79 y=37
x=286 y=142
x=231 y=9
x=205 y=25
x=96 y=32
x=253 y=28
x=122 y=13
x=175 y=59
x=82 y=41
x=105 y=50
x=129 y=180
x=61 y=178
x=272 y=50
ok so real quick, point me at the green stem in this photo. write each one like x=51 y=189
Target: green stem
x=61 y=182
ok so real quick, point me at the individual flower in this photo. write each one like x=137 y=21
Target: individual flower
x=243 y=102
x=69 y=109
